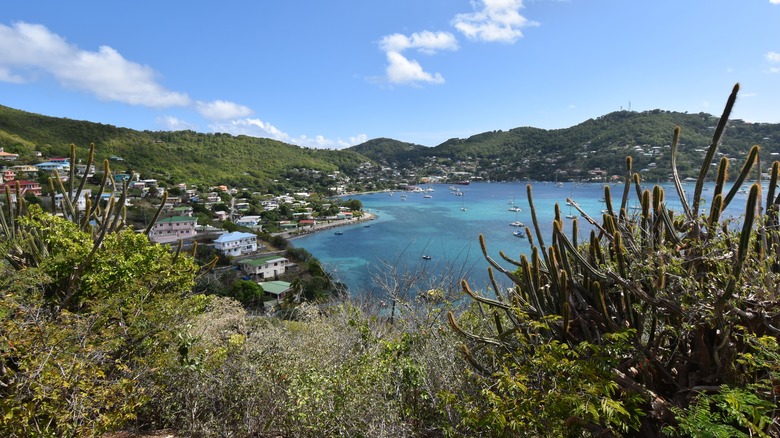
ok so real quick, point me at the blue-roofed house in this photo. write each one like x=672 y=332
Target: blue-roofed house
x=51 y=166
x=236 y=243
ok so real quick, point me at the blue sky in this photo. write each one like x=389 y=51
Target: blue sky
x=331 y=74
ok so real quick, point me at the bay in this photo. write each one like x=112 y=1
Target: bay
x=388 y=252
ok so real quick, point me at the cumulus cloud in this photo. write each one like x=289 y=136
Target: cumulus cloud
x=402 y=70
x=29 y=50
x=494 y=21
x=170 y=123
x=425 y=42
x=773 y=56
x=254 y=127
x=775 y=2
x=222 y=110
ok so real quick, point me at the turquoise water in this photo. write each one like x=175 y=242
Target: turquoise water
x=390 y=249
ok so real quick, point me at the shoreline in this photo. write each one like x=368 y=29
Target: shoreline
x=300 y=232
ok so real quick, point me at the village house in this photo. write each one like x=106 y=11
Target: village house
x=173 y=229
x=236 y=243
x=264 y=267
x=252 y=222
x=51 y=166
x=81 y=203
x=23 y=186
x=277 y=289
x=24 y=168
x=7 y=156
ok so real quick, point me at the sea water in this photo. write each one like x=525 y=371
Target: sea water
x=422 y=242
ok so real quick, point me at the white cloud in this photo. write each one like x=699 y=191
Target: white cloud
x=171 y=123
x=775 y=2
x=495 y=21
x=257 y=128
x=6 y=75
x=222 y=110
x=402 y=70
x=773 y=56
x=426 y=42
x=26 y=50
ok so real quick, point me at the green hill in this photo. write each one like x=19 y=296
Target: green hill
x=604 y=142
x=179 y=156
x=520 y=153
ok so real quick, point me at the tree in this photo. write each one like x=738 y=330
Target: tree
x=247 y=292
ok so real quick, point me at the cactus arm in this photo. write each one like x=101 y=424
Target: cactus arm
x=90 y=159
x=705 y=165
x=156 y=214
x=752 y=157
x=676 y=174
x=744 y=242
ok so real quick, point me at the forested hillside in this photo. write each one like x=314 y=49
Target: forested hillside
x=520 y=153
x=604 y=142
x=173 y=157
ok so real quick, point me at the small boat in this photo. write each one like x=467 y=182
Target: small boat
x=463 y=209
x=515 y=209
x=338 y=233
x=426 y=257
x=427 y=196
x=519 y=234
x=571 y=216
x=517 y=224
x=366 y=226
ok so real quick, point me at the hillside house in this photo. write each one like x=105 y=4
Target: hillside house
x=277 y=289
x=264 y=267
x=252 y=222
x=173 y=229
x=81 y=203
x=51 y=166
x=236 y=243
x=23 y=186
x=7 y=156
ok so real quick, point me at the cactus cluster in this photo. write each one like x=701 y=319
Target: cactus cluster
x=98 y=218
x=689 y=287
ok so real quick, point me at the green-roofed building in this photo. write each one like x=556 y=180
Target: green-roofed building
x=276 y=289
x=264 y=267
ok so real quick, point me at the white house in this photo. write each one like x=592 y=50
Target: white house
x=264 y=267
x=81 y=203
x=236 y=243
x=173 y=229
x=250 y=222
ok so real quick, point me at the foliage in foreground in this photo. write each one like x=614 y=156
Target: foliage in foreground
x=662 y=322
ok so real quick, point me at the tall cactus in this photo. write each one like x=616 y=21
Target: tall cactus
x=672 y=281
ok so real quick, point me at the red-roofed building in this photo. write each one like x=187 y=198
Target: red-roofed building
x=24 y=187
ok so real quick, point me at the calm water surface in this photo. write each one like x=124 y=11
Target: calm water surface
x=446 y=228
